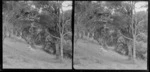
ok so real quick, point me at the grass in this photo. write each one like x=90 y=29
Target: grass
x=88 y=56
x=18 y=56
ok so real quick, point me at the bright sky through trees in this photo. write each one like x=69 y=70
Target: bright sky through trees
x=67 y=5
x=139 y=4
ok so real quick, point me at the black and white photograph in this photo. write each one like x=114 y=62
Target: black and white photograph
x=75 y=35
x=110 y=35
x=37 y=34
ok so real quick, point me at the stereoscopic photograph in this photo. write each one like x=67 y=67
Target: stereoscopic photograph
x=110 y=35
x=37 y=34
x=75 y=35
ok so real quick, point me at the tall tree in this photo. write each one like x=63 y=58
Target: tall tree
x=61 y=21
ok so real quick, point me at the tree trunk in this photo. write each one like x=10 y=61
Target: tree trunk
x=88 y=35
x=83 y=35
x=92 y=37
x=134 y=49
x=57 y=50
x=61 y=47
x=129 y=51
x=133 y=33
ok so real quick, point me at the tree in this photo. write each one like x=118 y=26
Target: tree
x=127 y=24
x=135 y=25
x=62 y=27
x=60 y=20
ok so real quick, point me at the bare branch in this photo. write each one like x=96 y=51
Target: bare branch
x=51 y=34
x=139 y=22
x=67 y=33
x=125 y=36
x=64 y=24
x=54 y=36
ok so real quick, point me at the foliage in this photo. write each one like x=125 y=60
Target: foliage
x=37 y=21
x=111 y=20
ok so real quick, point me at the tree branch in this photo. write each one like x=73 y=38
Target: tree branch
x=63 y=27
x=139 y=22
x=59 y=28
x=66 y=22
x=51 y=34
x=67 y=33
x=54 y=36
x=125 y=36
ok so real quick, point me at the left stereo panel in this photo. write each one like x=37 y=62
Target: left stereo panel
x=37 y=35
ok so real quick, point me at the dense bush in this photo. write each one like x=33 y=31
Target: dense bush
x=68 y=49
x=141 y=50
x=121 y=48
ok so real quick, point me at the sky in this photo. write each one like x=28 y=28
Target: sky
x=139 y=4
x=65 y=5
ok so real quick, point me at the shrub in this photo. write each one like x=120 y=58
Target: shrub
x=68 y=49
x=121 y=48
x=141 y=50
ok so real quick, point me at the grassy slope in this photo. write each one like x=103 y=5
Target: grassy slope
x=92 y=56
x=17 y=55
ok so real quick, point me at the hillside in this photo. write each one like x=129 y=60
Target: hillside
x=17 y=55
x=90 y=55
